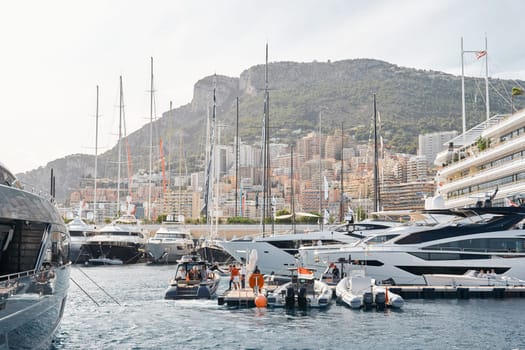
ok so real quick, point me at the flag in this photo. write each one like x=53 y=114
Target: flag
x=325 y=189
x=481 y=54
x=517 y=91
x=304 y=273
x=326 y=217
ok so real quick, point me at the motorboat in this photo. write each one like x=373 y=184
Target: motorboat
x=486 y=238
x=193 y=279
x=34 y=266
x=170 y=242
x=303 y=291
x=472 y=278
x=122 y=240
x=79 y=232
x=277 y=253
x=359 y=291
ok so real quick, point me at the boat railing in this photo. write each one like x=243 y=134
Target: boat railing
x=13 y=277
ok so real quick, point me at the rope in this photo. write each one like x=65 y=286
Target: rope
x=96 y=284
x=82 y=289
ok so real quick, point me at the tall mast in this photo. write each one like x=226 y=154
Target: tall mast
x=292 y=189
x=150 y=141
x=320 y=175
x=376 y=160
x=237 y=160
x=121 y=112
x=341 y=214
x=266 y=151
x=96 y=165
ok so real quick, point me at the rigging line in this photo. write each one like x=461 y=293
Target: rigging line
x=96 y=284
x=83 y=290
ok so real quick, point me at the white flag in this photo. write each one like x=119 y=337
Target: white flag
x=325 y=189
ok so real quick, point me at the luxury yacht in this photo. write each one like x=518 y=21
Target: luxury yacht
x=170 y=242
x=34 y=267
x=121 y=242
x=489 y=239
x=79 y=232
x=278 y=253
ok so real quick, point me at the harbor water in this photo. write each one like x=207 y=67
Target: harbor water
x=144 y=320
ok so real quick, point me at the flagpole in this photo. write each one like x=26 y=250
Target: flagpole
x=463 y=113
x=487 y=78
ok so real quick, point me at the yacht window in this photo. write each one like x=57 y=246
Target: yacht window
x=380 y=239
x=516 y=245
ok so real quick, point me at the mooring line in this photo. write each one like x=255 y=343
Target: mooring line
x=96 y=284
x=82 y=289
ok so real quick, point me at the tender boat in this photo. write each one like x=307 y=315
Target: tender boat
x=79 y=232
x=170 y=242
x=357 y=291
x=303 y=291
x=193 y=280
x=122 y=240
x=34 y=266
x=472 y=278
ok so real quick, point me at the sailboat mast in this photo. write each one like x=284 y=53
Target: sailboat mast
x=292 y=189
x=150 y=141
x=96 y=165
x=320 y=176
x=121 y=110
x=237 y=160
x=341 y=214
x=376 y=167
x=266 y=148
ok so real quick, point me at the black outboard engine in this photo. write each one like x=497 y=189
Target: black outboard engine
x=301 y=298
x=380 y=301
x=368 y=300
x=290 y=297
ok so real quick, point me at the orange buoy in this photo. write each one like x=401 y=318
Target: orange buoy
x=260 y=301
x=256 y=279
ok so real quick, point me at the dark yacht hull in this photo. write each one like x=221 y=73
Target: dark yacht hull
x=129 y=253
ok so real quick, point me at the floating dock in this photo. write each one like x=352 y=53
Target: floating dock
x=244 y=297
x=458 y=292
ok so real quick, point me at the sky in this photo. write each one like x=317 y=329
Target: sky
x=55 y=53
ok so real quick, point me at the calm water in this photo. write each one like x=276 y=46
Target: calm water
x=146 y=321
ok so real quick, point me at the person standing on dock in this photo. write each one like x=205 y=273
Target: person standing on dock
x=235 y=274
x=243 y=276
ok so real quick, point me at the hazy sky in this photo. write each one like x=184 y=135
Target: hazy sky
x=54 y=53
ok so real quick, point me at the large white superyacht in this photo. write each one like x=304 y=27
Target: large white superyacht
x=487 y=238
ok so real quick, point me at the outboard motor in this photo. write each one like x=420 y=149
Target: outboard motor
x=301 y=298
x=380 y=301
x=368 y=300
x=290 y=297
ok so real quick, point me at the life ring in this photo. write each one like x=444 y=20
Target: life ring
x=256 y=279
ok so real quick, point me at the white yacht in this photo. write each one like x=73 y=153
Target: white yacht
x=489 y=239
x=488 y=156
x=121 y=242
x=170 y=242
x=79 y=232
x=278 y=253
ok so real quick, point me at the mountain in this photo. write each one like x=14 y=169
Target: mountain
x=410 y=102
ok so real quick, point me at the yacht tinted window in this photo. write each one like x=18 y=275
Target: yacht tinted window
x=483 y=245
